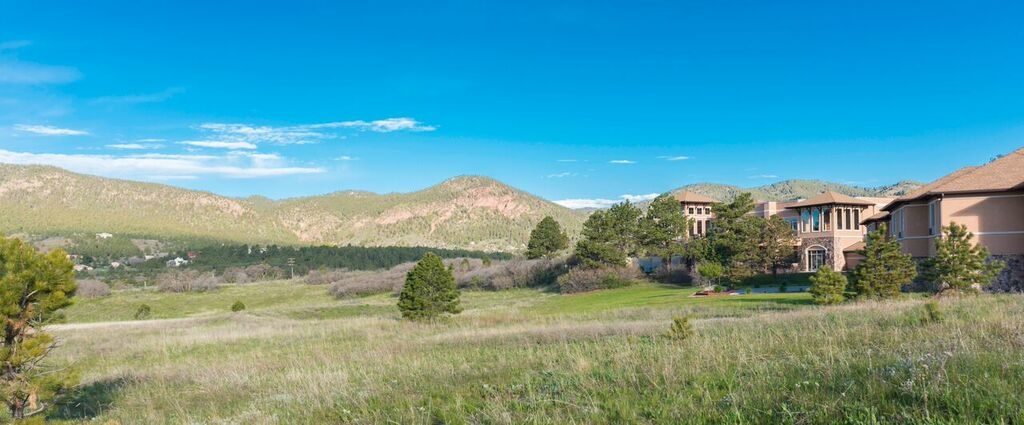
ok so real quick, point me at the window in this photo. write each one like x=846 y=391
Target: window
x=815 y=259
x=828 y=218
x=856 y=219
x=849 y=224
x=815 y=219
x=691 y=210
x=700 y=227
x=805 y=217
x=839 y=218
x=931 y=218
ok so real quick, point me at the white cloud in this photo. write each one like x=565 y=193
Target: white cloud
x=164 y=167
x=46 y=130
x=213 y=144
x=134 y=146
x=307 y=133
x=764 y=176
x=13 y=71
x=345 y=158
x=674 y=158
x=151 y=140
x=561 y=175
x=604 y=203
x=621 y=161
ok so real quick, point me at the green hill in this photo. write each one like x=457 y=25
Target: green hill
x=463 y=212
x=790 y=190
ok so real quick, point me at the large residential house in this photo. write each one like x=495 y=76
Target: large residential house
x=988 y=199
x=697 y=208
x=828 y=226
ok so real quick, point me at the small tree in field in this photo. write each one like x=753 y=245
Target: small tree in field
x=827 y=286
x=429 y=290
x=960 y=264
x=33 y=288
x=546 y=239
x=711 y=271
x=885 y=267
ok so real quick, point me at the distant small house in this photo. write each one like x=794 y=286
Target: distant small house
x=82 y=268
x=104 y=235
x=177 y=262
x=115 y=264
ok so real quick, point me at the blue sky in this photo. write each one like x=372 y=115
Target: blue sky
x=568 y=100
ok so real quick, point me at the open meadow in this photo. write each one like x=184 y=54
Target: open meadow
x=297 y=355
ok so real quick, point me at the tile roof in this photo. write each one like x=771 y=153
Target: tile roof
x=859 y=246
x=1002 y=174
x=882 y=216
x=696 y=198
x=829 y=198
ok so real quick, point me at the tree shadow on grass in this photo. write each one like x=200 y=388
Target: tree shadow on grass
x=87 y=401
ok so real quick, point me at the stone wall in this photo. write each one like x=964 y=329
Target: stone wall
x=830 y=251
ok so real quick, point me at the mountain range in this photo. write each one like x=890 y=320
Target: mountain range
x=470 y=212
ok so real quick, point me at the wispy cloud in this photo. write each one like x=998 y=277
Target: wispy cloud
x=621 y=161
x=13 y=71
x=46 y=130
x=674 y=158
x=133 y=99
x=14 y=44
x=151 y=140
x=345 y=158
x=135 y=146
x=561 y=175
x=604 y=203
x=166 y=167
x=216 y=144
x=764 y=176
x=307 y=133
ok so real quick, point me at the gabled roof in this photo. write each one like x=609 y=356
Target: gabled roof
x=882 y=216
x=829 y=198
x=694 y=198
x=1003 y=174
x=859 y=246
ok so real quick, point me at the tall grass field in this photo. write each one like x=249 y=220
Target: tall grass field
x=296 y=355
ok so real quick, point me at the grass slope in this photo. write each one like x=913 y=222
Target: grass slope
x=528 y=356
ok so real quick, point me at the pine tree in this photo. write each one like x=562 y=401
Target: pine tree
x=885 y=267
x=735 y=236
x=33 y=288
x=609 y=237
x=775 y=240
x=959 y=263
x=546 y=239
x=429 y=290
x=662 y=230
x=828 y=286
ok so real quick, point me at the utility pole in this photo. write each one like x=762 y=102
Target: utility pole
x=291 y=265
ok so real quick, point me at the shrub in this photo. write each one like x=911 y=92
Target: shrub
x=590 y=279
x=237 y=306
x=324 y=276
x=90 y=288
x=932 y=312
x=681 y=329
x=828 y=286
x=711 y=272
x=959 y=263
x=512 y=274
x=143 y=312
x=186 y=281
x=253 y=273
x=346 y=284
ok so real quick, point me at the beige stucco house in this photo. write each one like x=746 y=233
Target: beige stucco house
x=697 y=208
x=988 y=199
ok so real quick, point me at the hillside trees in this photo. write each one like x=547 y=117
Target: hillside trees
x=429 y=290
x=34 y=287
x=885 y=267
x=546 y=239
x=960 y=264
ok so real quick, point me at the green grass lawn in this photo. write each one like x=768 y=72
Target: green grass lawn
x=299 y=356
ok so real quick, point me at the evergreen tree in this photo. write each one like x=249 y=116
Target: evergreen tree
x=828 y=286
x=33 y=288
x=546 y=239
x=429 y=290
x=662 y=230
x=775 y=243
x=885 y=267
x=735 y=236
x=960 y=264
x=609 y=237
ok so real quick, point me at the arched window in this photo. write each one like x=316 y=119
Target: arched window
x=816 y=256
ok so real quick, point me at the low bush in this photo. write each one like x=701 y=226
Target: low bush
x=932 y=312
x=348 y=284
x=91 y=288
x=827 y=286
x=511 y=274
x=237 y=306
x=591 y=279
x=681 y=329
x=186 y=281
x=324 y=276
x=143 y=312
x=253 y=273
